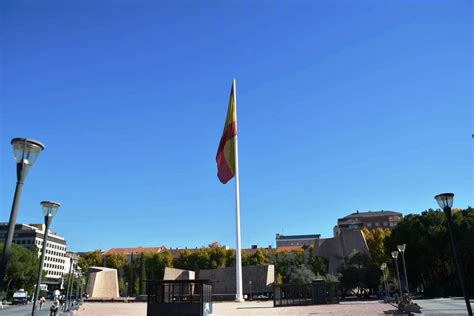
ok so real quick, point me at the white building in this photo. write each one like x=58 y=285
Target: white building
x=32 y=235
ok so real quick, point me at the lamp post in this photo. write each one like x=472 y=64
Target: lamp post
x=250 y=284
x=395 y=256
x=79 y=279
x=69 y=284
x=383 y=267
x=25 y=151
x=49 y=210
x=401 y=249
x=445 y=201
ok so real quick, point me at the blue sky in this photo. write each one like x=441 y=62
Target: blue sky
x=342 y=106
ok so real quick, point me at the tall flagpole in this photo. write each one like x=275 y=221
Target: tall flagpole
x=238 y=256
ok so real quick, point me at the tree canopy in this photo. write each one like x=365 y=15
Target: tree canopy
x=428 y=254
x=22 y=269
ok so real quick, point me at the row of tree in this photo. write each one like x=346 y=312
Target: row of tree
x=428 y=256
x=298 y=266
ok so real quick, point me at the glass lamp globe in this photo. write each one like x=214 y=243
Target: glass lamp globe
x=26 y=150
x=49 y=208
x=445 y=200
x=401 y=248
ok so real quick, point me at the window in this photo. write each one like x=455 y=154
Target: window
x=369 y=224
x=385 y=223
x=377 y=224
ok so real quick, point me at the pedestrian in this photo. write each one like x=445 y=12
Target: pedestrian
x=61 y=301
x=54 y=307
x=41 y=302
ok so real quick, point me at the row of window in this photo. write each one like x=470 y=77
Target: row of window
x=56 y=273
x=385 y=224
x=55 y=253
x=53 y=266
x=38 y=243
x=53 y=259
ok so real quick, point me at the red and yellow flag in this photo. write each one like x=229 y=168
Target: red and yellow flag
x=226 y=152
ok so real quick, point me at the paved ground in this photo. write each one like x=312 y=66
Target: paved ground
x=455 y=306
x=432 y=307
x=25 y=310
x=246 y=308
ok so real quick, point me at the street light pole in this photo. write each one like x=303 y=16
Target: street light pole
x=395 y=256
x=49 y=210
x=250 y=283
x=445 y=201
x=401 y=248
x=79 y=280
x=69 y=285
x=25 y=151
x=383 y=267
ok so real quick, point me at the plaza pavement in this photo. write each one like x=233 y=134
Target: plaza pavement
x=430 y=307
x=453 y=306
x=246 y=308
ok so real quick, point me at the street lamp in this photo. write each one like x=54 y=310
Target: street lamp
x=445 y=201
x=79 y=282
x=49 y=210
x=395 y=256
x=383 y=266
x=250 y=284
x=25 y=152
x=401 y=249
x=69 y=282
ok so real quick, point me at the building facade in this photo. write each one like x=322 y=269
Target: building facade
x=370 y=219
x=31 y=236
x=296 y=240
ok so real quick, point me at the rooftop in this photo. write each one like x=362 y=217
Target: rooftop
x=372 y=214
x=127 y=251
x=282 y=237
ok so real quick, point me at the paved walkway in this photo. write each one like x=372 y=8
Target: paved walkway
x=246 y=308
x=453 y=306
x=442 y=306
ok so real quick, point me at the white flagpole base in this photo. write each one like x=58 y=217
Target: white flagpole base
x=239 y=300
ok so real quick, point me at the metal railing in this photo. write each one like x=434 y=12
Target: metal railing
x=179 y=297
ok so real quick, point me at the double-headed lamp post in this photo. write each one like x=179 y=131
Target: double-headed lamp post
x=49 y=210
x=25 y=151
x=401 y=249
x=445 y=201
x=395 y=256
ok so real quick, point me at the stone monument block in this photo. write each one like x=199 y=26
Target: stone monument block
x=102 y=283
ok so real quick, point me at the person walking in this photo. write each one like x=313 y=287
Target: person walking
x=41 y=302
x=54 y=308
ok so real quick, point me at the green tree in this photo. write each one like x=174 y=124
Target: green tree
x=301 y=275
x=22 y=269
x=142 y=284
x=156 y=264
x=428 y=254
x=375 y=241
x=217 y=257
x=359 y=276
x=184 y=260
x=115 y=261
x=318 y=265
x=91 y=259
x=260 y=257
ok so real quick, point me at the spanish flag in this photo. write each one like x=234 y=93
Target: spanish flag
x=226 y=152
